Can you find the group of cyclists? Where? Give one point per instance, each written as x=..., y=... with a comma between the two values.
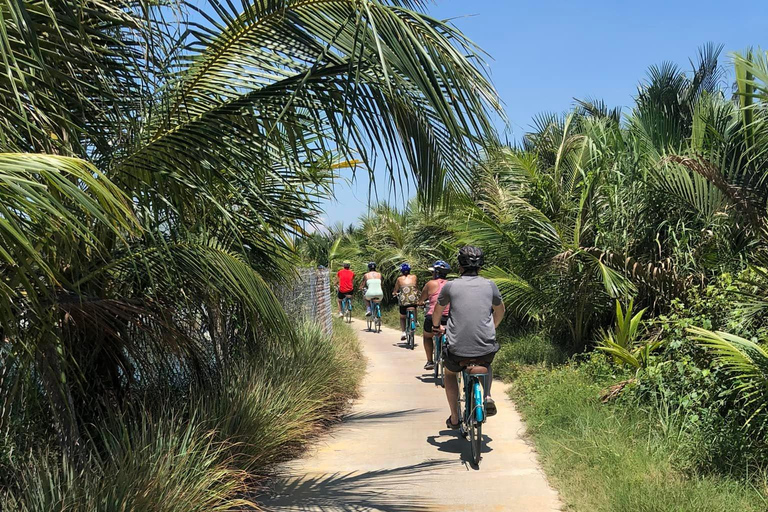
x=467, y=309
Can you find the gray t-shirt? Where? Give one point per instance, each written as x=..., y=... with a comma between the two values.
x=470, y=330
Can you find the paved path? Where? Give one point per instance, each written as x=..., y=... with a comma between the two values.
x=394, y=453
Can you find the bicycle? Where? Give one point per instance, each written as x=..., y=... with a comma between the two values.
x=410, y=328
x=346, y=308
x=374, y=319
x=474, y=406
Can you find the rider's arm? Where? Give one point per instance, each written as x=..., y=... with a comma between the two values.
x=364, y=283
x=498, y=305
x=424, y=294
x=498, y=314
x=442, y=300
x=437, y=314
x=397, y=287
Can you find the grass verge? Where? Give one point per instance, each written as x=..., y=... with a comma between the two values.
x=203, y=451
x=615, y=457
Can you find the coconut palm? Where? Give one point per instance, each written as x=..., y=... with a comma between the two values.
x=158, y=159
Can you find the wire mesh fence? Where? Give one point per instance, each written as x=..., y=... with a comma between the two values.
x=308, y=298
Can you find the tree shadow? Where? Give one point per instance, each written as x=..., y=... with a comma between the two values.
x=383, y=416
x=457, y=444
x=349, y=492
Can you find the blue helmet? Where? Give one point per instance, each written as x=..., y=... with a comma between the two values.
x=405, y=268
x=440, y=267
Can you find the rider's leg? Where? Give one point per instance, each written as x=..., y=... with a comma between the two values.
x=452, y=393
x=367, y=307
x=402, y=322
x=429, y=345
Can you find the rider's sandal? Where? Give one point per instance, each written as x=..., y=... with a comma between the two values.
x=490, y=407
x=429, y=366
x=452, y=426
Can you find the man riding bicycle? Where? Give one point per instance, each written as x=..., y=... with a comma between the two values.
x=371, y=287
x=407, y=296
x=345, y=282
x=476, y=310
x=429, y=296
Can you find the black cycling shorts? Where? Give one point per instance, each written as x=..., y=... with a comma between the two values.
x=452, y=362
x=404, y=309
x=343, y=295
x=428, y=322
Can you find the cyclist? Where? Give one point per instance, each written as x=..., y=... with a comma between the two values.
x=371, y=287
x=428, y=297
x=476, y=310
x=405, y=291
x=345, y=284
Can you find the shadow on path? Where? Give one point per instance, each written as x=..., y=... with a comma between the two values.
x=405, y=345
x=455, y=443
x=429, y=379
x=331, y=492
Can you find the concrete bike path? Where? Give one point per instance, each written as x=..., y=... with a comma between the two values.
x=393, y=452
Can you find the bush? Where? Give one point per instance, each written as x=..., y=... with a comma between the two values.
x=685, y=384
x=528, y=348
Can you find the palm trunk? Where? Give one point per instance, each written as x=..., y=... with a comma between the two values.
x=59, y=394
x=218, y=331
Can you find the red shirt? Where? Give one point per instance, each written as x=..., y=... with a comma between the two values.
x=346, y=278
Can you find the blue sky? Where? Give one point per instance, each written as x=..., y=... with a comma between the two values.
x=544, y=53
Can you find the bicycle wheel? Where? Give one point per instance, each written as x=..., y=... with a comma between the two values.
x=436, y=355
x=476, y=440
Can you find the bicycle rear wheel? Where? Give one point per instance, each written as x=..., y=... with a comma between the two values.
x=476, y=440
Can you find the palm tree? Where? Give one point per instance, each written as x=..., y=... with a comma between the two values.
x=158, y=159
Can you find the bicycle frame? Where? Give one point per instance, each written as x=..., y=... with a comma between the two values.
x=437, y=356
x=474, y=407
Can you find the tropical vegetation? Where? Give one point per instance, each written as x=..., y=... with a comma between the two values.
x=640, y=233
x=158, y=161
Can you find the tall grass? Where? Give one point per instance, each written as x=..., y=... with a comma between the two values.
x=617, y=457
x=267, y=406
x=200, y=452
